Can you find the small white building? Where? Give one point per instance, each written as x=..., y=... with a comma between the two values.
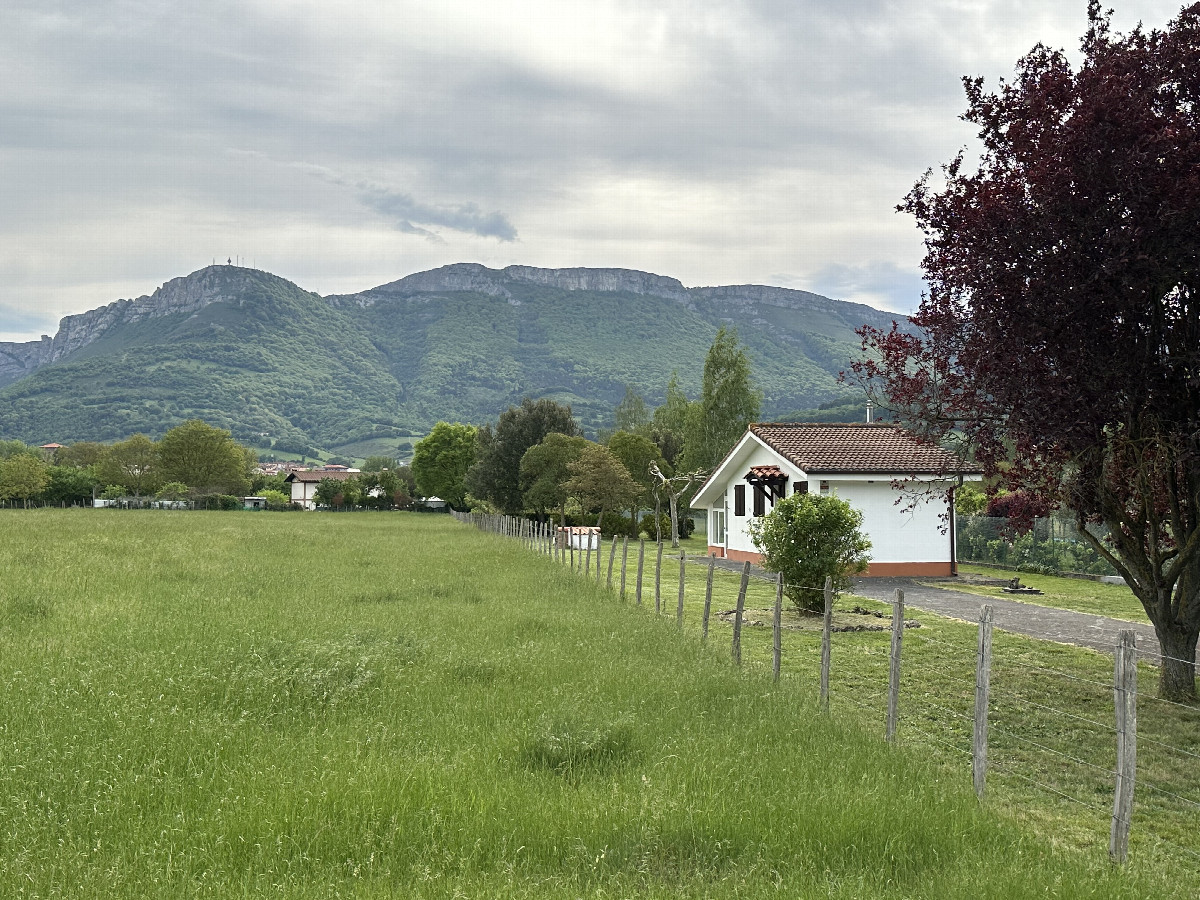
x=869, y=465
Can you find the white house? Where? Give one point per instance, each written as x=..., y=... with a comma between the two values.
x=862, y=463
x=304, y=484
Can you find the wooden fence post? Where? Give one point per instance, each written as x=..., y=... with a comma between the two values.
x=1125, y=706
x=679, y=607
x=571, y=545
x=983, y=681
x=737, y=616
x=624, y=560
x=658, y=580
x=612, y=552
x=893, y=707
x=777, y=645
x=641, y=563
x=712, y=564
x=826, y=642
x=588, y=567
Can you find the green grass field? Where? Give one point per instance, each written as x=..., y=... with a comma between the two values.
x=231, y=704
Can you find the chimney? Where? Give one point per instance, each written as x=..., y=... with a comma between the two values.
x=870, y=406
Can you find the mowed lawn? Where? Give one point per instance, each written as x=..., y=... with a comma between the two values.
x=393, y=705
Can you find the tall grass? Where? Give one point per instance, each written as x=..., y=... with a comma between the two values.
x=226, y=704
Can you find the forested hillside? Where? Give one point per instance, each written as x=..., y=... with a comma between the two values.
x=256, y=354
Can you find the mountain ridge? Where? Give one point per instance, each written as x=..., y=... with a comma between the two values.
x=260, y=355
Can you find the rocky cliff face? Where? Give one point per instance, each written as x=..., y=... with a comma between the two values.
x=179, y=295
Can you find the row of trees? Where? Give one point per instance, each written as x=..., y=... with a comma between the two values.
x=192, y=460
x=535, y=459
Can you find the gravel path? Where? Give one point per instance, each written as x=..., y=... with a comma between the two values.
x=1029, y=619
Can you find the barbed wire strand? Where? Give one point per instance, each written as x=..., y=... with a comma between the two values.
x=1063, y=712
x=1147, y=784
x=937, y=740
x=1040, y=746
x=1104, y=684
x=1188, y=706
x=944, y=709
x=1006, y=771
x=1149, y=740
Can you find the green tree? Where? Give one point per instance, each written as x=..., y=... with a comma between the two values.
x=728, y=403
x=173, y=490
x=441, y=460
x=808, y=537
x=205, y=458
x=23, y=477
x=16, y=448
x=631, y=413
x=132, y=464
x=276, y=499
x=496, y=473
x=637, y=454
x=329, y=492
x=600, y=480
x=378, y=463
x=669, y=425
x=545, y=468
x=81, y=454
x=69, y=485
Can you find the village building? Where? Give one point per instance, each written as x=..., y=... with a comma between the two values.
x=304, y=484
x=903, y=487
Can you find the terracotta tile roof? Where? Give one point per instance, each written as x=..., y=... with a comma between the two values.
x=857, y=448
x=766, y=472
x=318, y=476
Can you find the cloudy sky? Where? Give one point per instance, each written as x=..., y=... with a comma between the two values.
x=344, y=145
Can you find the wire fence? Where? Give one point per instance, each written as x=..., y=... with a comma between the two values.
x=1033, y=731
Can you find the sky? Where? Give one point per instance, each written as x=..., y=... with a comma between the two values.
x=345, y=145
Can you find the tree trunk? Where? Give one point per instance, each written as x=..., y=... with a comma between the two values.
x=1177, y=677
x=674, y=521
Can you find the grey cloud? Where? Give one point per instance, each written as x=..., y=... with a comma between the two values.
x=410, y=215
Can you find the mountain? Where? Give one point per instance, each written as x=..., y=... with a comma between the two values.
x=259, y=355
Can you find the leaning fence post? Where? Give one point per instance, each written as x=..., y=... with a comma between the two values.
x=641, y=563
x=1125, y=706
x=983, y=680
x=737, y=616
x=826, y=642
x=893, y=707
x=679, y=607
x=612, y=552
x=712, y=564
x=587, y=570
x=658, y=580
x=777, y=645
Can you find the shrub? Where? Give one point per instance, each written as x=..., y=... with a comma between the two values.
x=615, y=523
x=807, y=538
x=647, y=526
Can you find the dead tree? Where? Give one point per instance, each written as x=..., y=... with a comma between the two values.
x=674, y=488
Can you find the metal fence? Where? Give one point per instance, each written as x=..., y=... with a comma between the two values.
x=1052, y=547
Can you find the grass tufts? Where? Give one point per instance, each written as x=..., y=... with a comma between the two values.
x=574, y=749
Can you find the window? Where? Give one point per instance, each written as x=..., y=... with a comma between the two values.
x=800, y=487
x=760, y=501
x=716, y=532
x=739, y=499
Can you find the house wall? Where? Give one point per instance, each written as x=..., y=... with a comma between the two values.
x=737, y=543
x=904, y=541
x=303, y=492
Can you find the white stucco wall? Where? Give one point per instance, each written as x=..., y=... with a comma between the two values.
x=900, y=533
